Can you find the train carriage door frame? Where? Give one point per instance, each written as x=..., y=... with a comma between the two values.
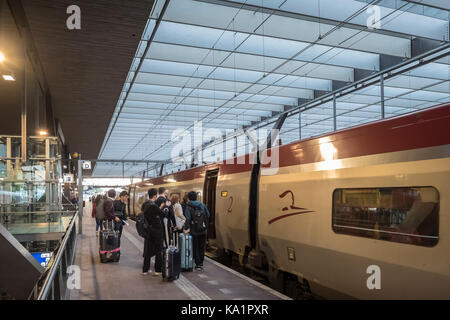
x=209, y=198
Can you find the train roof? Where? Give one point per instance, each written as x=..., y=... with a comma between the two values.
x=425, y=128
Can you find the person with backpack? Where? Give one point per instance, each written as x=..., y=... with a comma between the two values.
x=153, y=245
x=119, y=212
x=197, y=217
x=108, y=205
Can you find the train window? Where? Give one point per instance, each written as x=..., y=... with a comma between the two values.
x=406, y=214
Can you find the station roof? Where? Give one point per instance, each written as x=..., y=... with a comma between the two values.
x=85, y=68
x=235, y=64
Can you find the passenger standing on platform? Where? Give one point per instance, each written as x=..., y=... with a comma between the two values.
x=153, y=245
x=98, y=213
x=184, y=202
x=179, y=216
x=169, y=213
x=120, y=212
x=197, y=217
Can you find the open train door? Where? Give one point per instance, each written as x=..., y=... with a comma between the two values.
x=209, y=192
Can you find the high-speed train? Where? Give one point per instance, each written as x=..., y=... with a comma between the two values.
x=359, y=213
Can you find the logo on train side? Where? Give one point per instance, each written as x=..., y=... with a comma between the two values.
x=297, y=210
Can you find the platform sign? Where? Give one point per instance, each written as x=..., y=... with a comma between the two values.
x=42, y=257
x=86, y=165
x=68, y=178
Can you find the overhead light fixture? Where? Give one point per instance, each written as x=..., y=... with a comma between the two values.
x=9, y=77
x=2, y=57
x=43, y=132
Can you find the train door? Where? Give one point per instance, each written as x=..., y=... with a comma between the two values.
x=209, y=192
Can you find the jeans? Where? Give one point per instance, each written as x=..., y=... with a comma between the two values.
x=153, y=247
x=99, y=224
x=199, y=244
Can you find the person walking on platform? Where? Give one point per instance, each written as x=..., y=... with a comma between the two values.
x=153, y=244
x=108, y=206
x=197, y=217
x=119, y=212
x=98, y=213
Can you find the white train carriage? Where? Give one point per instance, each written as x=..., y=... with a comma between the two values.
x=360, y=213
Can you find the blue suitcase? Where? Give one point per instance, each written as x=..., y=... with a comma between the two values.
x=187, y=255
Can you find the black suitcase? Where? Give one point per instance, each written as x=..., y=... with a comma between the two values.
x=109, y=248
x=171, y=261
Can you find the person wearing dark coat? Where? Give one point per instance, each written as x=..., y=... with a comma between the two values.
x=120, y=212
x=108, y=206
x=197, y=231
x=170, y=214
x=153, y=244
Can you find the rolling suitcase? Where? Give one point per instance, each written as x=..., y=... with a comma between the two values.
x=109, y=248
x=187, y=255
x=171, y=267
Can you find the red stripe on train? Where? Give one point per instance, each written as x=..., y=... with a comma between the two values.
x=427, y=128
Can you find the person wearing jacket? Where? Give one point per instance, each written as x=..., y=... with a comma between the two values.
x=153, y=244
x=119, y=212
x=178, y=209
x=108, y=206
x=98, y=213
x=170, y=215
x=197, y=230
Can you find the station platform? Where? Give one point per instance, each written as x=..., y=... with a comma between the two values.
x=123, y=280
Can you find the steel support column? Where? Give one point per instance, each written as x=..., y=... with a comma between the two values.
x=334, y=113
x=299, y=125
x=382, y=95
x=80, y=195
x=23, y=116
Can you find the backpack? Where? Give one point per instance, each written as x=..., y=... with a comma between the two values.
x=142, y=226
x=198, y=220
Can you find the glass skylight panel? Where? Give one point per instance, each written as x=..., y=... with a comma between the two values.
x=271, y=46
x=175, y=68
x=236, y=74
x=432, y=70
x=441, y=87
x=427, y=95
x=251, y=62
x=170, y=80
